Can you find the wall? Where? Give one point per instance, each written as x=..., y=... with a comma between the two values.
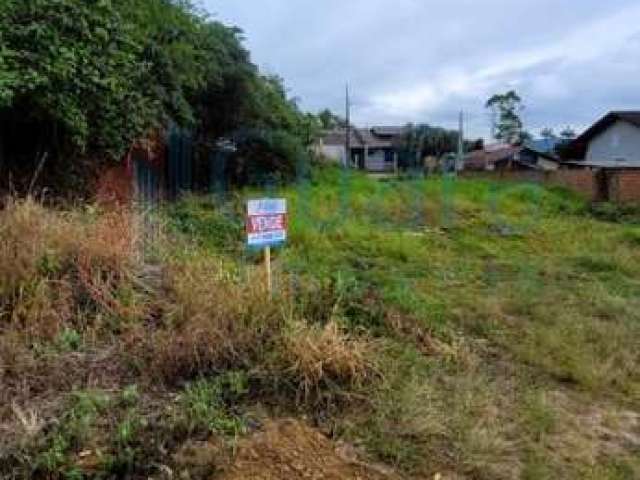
x=617, y=186
x=334, y=152
x=140, y=175
x=115, y=185
x=376, y=162
x=624, y=186
x=583, y=182
x=621, y=141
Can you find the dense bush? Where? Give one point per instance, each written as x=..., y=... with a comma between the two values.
x=84, y=79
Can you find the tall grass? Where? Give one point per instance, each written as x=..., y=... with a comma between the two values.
x=57, y=270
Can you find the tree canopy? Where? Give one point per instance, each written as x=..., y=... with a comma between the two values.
x=507, y=124
x=428, y=140
x=92, y=76
x=330, y=120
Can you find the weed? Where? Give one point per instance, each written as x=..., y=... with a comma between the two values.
x=68, y=340
x=539, y=416
x=73, y=430
x=206, y=404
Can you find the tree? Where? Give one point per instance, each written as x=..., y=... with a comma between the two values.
x=568, y=134
x=505, y=109
x=90, y=77
x=547, y=133
x=525, y=137
x=423, y=140
x=330, y=120
x=563, y=149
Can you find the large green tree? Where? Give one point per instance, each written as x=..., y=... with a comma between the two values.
x=89, y=77
x=426, y=140
x=506, y=122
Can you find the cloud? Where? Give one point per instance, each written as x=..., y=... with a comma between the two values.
x=411, y=60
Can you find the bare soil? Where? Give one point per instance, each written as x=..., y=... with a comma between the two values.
x=290, y=450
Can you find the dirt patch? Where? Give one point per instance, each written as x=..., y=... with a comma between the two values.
x=290, y=450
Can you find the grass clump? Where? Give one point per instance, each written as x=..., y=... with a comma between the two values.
x=72, y=433
x=208, y=404
x=320, y=359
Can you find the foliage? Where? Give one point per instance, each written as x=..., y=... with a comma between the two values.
x=206, y=404
x=563, y=148
x=568, y=134
x=507, y=125
x=92, y=77
x=425, y=140
x=79, y=72
x=548, y=133
x=330, y=120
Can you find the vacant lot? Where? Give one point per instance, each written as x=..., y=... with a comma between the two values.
x=453, y=327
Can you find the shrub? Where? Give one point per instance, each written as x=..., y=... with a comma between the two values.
x=611, y=212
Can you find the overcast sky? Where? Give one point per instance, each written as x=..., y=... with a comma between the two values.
x=424, y=60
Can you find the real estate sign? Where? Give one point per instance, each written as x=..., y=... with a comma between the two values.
x=266, y=222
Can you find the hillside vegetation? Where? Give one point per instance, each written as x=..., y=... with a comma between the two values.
x=454, y=327
x=83, y=81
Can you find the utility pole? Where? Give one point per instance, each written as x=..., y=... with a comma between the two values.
x=460, y=157
x=347, y=140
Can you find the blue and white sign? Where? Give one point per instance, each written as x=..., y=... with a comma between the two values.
x=266, y=222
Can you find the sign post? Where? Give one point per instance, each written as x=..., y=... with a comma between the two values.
x=266, y=228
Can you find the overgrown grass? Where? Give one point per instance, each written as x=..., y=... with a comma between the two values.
x=459, y=327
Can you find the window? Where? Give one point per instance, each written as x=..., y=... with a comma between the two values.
x=389, y=156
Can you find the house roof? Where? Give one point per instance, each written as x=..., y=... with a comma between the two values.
x=387, y=131
x=603, y=164
x=578, y=148
x=372, y=139
x=338, y=137
x=491, y=154
x=359, y=137
x=499, y=152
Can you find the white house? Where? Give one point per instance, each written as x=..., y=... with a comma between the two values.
x=371, y=149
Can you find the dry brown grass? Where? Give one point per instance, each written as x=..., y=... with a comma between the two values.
x=212, y=320
x=62, y=273
x=216, y=320
x=55, y=264
x=326, y=357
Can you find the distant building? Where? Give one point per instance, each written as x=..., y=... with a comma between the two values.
x=500, y=157
x=372, y=149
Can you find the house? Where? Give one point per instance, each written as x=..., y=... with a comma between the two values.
x=372, y=149
x=610, y=151
x=613, y=142
x=506, y=157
